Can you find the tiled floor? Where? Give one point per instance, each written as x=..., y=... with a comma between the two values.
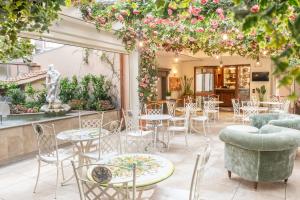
x=17, y=180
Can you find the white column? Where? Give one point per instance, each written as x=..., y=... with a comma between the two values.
x=133, y=82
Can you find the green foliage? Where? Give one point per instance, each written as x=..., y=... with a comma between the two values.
x=261, y=92
x=85, y=94
x=17, y=96
x=22, y=15
x=186, y=85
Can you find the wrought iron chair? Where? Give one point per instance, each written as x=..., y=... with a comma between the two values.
x=192, y=107
x=210, y=109
x=188, y=99
x=184, y=128
x=48, y=151
x=248, y=110
x=109, y=142
x=96, y=182
x=92, y=123
x=236, y=109
x=135, y=136
x=198, y=173
x=199, y=101
x=153, y=109
x=171, y=105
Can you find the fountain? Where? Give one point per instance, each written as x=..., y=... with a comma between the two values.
x=54, y=106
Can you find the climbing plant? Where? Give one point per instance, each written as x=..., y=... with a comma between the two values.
x=252, y=28
x=20, y=15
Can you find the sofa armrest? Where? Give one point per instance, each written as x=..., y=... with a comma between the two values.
x=288, y=123
x=283, y=140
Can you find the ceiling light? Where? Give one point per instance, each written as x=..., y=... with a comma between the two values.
x=225, y=36
x=141, y=43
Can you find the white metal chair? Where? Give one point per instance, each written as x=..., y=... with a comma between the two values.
x=249, y=111
x=109, y=142
x=105, y=187
x=171, y=105
x=192, y=107
x=236, y=109
x=48, y=151
x=189, y=99
x=198, y=173
x=284, y=107
x=184, y=128
x=199, y=101
x=92, y=123
x=210, y=109
x=153, y=109
x=135, y=135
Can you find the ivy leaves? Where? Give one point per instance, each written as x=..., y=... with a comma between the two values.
x=22, y=15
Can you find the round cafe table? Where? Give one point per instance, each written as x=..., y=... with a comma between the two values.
x=156, y=120
x=271, y=102
x=259, y=109
x=81, y=138
x=150, y=169
x=182, y=109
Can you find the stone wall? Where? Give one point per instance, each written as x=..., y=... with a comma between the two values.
x=19, y=142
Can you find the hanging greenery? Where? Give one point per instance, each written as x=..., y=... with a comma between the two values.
x=22, y=15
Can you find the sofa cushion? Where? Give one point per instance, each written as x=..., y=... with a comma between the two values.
x=293, y=123
x=269, y=129
x=259, y=120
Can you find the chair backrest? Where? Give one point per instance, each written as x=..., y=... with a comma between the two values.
x=192, y=107
x=249, y=111
x=46, y=140
x=236, y=106
x=131, y=122
x=153, y=109
x=198, y=173
x=209, y=106
x=171, y=105
x=108, y=188
x=93, y=123
x=199, y=101
x=110, y=138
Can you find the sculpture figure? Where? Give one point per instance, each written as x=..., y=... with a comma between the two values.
x=52, y=82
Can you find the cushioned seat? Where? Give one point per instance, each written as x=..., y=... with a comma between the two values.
x=265, y=156
x=276, y=119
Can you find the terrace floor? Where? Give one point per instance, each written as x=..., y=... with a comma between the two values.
x=17, y=180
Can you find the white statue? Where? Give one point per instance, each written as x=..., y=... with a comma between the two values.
x=52, y=83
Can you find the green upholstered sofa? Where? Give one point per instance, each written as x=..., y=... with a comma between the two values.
x=265, y=156
x=283, y=120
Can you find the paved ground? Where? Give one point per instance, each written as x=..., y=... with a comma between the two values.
x=17, y=180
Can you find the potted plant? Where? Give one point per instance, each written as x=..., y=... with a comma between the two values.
x=186, y=86
x=168, y=95
x=261, y=92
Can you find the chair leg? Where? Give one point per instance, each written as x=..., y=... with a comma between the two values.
x=255, y=185
x=62, y=170
x=57, y=177
x=229, y=174
x=186, y=140
x=38, y=176
x=203, y=124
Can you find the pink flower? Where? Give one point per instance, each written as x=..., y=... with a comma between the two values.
x=219, y=11
x=194, y=10
x=255, y=9
x=204, y=1
x=240, y=36
x=292, y=17
x=136, y=12
x=124, y=12
x=216, y=1
x=194, y=21
x=141, y=94
x=120, y=18
x=201, y=18
x=222, y=16
x=214, y=24
x=170, y=11
x=200, y=30
x=152, y=25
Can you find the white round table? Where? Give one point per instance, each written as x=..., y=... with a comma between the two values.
x=156, y=119
x=243, y=128
x=260, y=109
x=151, y=169
x=271, y=102
x=182, y=109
